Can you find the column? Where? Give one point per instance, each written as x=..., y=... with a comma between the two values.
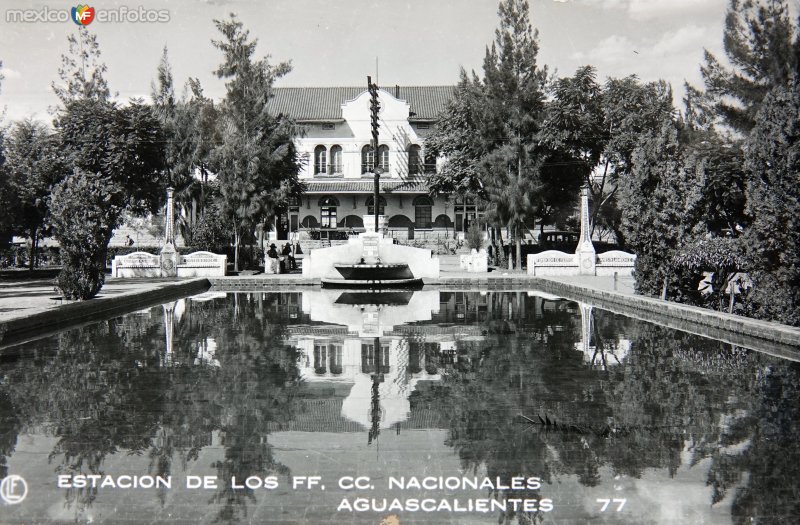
x=585, y=254
x=169, y=256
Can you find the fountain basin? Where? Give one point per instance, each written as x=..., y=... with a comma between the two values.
x=377, y=275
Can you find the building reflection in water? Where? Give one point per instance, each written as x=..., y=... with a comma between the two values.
x=358, y=350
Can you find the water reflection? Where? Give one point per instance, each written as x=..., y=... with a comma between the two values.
x=514, y=384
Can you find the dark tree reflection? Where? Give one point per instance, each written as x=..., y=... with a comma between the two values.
x=125, y=386
x=527, y=401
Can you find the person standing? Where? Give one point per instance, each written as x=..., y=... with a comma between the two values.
x=272, y=257
x=287, y=253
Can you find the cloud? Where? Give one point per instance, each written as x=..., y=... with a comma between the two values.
x=620, y=49
x=9, y=73
x=686, y=39
x=650, y=9
x=654, y=9
x=611, y=50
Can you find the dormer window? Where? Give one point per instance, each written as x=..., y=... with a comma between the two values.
x=320, y=160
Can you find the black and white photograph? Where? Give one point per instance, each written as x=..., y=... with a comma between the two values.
x=451, y=262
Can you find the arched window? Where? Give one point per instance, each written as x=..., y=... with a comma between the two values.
x=327, y=212
x=383, y=158
x=309, y=221
x=430, y=163
x=443, y=221
x=367, y=159
x=422, y=212
x=414, y=160
x=371, y=205
x=320, y=160
x=336, y=160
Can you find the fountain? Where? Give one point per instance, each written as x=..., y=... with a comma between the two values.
x=371, y=271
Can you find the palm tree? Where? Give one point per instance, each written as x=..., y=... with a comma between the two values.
x=512, y=198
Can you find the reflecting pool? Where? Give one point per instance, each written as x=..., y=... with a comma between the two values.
x=326, y=406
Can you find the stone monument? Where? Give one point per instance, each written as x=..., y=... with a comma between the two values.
x=584, y=253
x=585, y=260
x=169, y=255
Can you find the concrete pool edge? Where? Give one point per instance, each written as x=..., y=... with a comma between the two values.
x=53, y=320
x=773, y=338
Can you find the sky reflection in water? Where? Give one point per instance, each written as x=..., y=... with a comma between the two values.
x=482, y=386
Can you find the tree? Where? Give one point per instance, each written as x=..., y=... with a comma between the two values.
x=256, y=161
x=575, y=125
x=682, y=197
x=162, y=94
x=594, y=130
x=82, y=72
x=197, y=118
x=772, y=156
x=456, y=137
x=654, y=218
x=489, y=129
x=763, y=47
x=33, y=167
x=178, y=122
x=514, y=107
x=6, y=200
x=84, y=220
x=115, y=152
x=116, y=157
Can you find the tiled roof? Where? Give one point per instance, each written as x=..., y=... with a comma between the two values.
x=325, y=103
x=415, y=185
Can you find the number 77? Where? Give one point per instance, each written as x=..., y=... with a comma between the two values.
x=607, y=502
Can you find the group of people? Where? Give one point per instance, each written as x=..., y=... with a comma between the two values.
x=283, y=261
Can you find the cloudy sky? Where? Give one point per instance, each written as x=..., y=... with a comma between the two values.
x=417, y=42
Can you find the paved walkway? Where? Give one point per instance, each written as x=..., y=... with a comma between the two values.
x=20, y=297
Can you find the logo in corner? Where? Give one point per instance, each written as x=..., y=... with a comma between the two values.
x=83, y=15
x=13, y=489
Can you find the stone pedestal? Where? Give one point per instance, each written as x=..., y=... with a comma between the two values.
x=169, y=261
x=369, y=247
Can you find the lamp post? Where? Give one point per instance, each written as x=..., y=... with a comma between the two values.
x=374, y=107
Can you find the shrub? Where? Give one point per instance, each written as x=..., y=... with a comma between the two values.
x=474, y=237
x=80, y=278
x=83, y=222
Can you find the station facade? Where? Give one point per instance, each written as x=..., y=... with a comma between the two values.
x=338, y=161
